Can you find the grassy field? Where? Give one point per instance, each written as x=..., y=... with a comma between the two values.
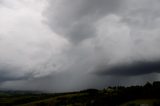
x=56, y=101
x=60, y=99
x=150, y=102
x=69, y=99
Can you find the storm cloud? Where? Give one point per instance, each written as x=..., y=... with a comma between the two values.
x=131, y=69
x=65, y=45
x=75, y=20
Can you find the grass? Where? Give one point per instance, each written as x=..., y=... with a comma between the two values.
x=54, y=100
x=141, y=101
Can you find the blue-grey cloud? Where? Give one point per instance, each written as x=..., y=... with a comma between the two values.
x=131, y=69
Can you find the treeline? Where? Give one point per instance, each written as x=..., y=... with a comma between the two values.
x=122, y=94
x=117, y=95
x=112, y=96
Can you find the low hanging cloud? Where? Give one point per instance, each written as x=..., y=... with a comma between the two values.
x=131, y=69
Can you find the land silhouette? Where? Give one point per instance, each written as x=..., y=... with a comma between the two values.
x=146, y=95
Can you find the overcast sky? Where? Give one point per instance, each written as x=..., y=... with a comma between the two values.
x=67, y=45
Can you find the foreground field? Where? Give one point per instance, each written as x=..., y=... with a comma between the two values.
x=143, y=102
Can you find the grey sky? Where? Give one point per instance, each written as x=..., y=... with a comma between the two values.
x=65, y=45
x=75, y=19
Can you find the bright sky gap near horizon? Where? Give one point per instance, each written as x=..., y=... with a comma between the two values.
x=67, y=45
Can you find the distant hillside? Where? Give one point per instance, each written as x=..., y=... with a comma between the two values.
x=147, y=95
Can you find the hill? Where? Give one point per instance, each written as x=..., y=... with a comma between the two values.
x=147, y=95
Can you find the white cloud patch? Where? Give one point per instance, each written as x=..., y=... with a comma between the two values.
x=25, y=42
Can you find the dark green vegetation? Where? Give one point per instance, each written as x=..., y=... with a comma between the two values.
x=147, y=95
x=143, y=102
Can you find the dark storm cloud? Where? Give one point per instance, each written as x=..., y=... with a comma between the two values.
x=75, y=19
x=79, y=36
x=132, y=69
x=7, y=74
